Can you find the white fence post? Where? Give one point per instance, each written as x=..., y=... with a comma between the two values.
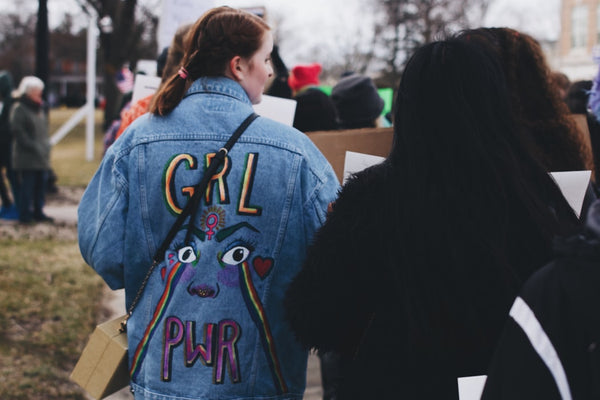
x=91, y=88
x=89, y=108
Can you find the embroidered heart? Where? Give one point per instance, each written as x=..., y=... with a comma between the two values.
x=262, y=266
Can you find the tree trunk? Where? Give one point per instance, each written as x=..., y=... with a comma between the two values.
x=116, y=49
x=42, y=41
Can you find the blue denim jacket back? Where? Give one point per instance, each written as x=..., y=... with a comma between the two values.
x=210, y=323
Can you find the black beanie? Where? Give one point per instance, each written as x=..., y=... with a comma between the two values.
x=357, y=101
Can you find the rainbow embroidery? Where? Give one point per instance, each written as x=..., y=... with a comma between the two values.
x=142, y=347
x=248, y=180
x=169, y=181
x=217, y=179
x=257, y=312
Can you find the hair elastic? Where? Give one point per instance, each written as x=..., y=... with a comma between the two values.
x=182, y=73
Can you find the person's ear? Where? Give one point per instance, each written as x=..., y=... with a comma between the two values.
x=236, y=68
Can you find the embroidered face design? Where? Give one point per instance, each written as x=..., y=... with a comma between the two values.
x=213, y=260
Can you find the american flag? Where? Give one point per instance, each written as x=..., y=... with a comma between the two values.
x=125, y=80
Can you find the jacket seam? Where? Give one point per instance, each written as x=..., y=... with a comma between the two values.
x=107, y=210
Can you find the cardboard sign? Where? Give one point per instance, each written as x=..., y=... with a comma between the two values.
x=335, y=144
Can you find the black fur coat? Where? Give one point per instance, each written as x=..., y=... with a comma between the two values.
x=404, y=331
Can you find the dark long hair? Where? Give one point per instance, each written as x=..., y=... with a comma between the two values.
x=476, y=212
x=535, y=100
x=219, y=35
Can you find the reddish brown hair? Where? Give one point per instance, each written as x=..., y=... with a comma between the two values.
x=219, y=35
x=539, y=111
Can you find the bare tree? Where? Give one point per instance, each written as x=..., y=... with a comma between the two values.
x=42, y=43
x=17, y=44
x=405, y=25
x=120, y=36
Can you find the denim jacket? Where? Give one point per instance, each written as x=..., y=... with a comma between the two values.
x=210, y=323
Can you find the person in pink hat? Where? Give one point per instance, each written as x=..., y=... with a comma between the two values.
x=315, y=110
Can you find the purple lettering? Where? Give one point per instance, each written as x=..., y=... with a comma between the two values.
x=227, y=355
x=193, y=352
x=173, y=336
x=219, y=349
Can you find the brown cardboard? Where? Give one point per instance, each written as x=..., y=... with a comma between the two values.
x=334, y=144
x=95, y=371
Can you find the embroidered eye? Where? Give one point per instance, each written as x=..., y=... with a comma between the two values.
x=236, y=255
x=186, y=254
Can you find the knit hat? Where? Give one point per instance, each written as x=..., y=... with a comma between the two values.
x=303, y=75
x=357, y=101
x=314, y=111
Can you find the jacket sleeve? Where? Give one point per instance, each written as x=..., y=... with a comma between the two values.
x=517, y=372
x=102, y=217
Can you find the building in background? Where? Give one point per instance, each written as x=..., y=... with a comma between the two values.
x=579, y=41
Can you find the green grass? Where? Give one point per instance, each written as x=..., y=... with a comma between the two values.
x=50, y=300
x=68, y=156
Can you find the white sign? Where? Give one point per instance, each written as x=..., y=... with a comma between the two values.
x=277, y=108
x=147, y=67
x=573, y=185
x=355, y=162
x=471, y=387
x=144, y=86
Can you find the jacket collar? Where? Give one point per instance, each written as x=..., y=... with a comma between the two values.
x=219, y=85
x=36, y=107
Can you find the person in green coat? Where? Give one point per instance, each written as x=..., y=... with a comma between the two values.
x=8, y=197
x=31, y=149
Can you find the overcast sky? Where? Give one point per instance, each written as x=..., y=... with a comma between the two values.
x=530, y=15
x=316, y=21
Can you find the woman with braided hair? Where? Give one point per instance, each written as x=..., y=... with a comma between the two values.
x=209, y=322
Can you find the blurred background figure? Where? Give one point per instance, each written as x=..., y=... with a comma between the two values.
x=412, y=275
x=279, y=85
x=562, y=83
x=129, y=112
x=166, y=67
x=577, y=100
x=7, y=175
x=541, y=114
x=549, y=347
x=31, y=157
x=357, y=103
x=314, y=109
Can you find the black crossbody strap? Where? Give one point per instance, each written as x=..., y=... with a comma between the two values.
x=216, y=162
x=199, y=189
x=191, y=208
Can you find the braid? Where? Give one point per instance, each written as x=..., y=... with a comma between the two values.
x=219, y=35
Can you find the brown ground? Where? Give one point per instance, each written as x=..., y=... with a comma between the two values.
x=64, y=202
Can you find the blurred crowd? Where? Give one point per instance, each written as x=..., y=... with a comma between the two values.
x=25, y=172
x=457, y=256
